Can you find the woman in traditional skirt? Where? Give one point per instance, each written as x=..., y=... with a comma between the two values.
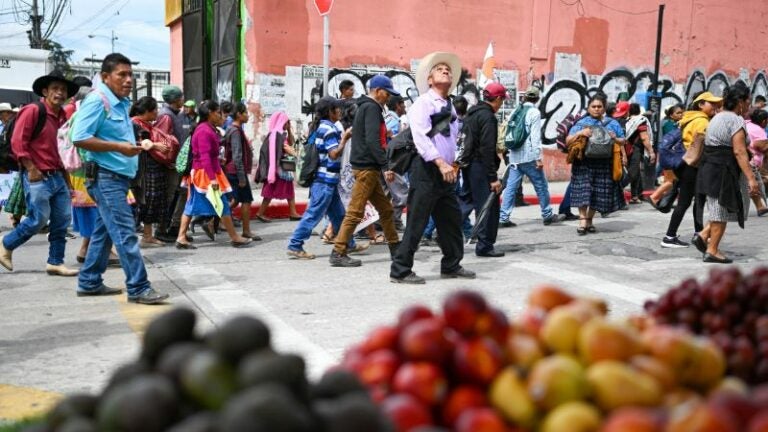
x=152, y=179
x=592, y=185
x=279, y=184
x=207, y=174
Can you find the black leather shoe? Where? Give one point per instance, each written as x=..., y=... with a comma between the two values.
x=461, y=273
x=491, y=254
x=709, y=258
x=700, y=243
x=411, y=279
x=102, y=291
x=507, y=224
x=571, y=217
x=338, y=260
x=149, y=297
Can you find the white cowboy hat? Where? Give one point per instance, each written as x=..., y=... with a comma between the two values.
x=431, y=60
x=5, y=106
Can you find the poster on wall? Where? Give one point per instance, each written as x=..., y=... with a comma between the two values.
x=269, y=91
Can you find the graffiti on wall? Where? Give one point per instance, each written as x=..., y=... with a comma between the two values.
x=566, y=96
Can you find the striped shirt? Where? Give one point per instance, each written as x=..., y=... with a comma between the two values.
x=327, y=138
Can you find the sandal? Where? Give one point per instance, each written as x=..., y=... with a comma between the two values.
x=251, y=236
x=263, y=219
x=582, y=230
x=300, y=254
x=379, y=240
x=180, y=245
x=634, y=200
x=590, y=228
x=326, y=239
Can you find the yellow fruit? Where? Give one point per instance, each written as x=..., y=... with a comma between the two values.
x=555, y=380
x=574, y=416
x=510, y=397
x=600, y=339
x=615, y=384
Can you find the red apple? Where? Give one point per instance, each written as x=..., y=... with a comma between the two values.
x=493, y=323
x=759, y=423
x=406, y=412
x=423, y=380
x=478, y=360
x=462, y=309
x=461, y=399
x=759, y=397
x=412, y=314
x=740, y=407
x=378, y=368
x=353, y=360
x=480, y=420
x=634, y=419
x=384, y=337
x=425, y=340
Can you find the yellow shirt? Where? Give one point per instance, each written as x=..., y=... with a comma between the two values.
x=692, y=124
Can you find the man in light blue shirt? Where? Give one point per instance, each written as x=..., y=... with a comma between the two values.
x=104, y=130
x=527, y=161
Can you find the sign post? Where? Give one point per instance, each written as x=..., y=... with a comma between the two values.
x=324, y=9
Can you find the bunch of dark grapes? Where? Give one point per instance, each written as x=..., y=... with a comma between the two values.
x=729, y=307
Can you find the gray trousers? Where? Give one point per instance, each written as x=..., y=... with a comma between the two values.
x=398, y=192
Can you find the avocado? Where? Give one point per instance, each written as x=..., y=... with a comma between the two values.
x=336, y=383
x=267, y=366
x=353, y=412
x=176, y=325
x=204, y=421
x=173, y=358
x=238, y=337
x=78, y=424
x=76, y=405
x=145, y=404
x=208, y=379
x=127, y=373
x=267, y=407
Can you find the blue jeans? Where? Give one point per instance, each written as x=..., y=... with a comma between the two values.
x=47, y=200
x=114, y=224
x=540, y=185
x=324, y=200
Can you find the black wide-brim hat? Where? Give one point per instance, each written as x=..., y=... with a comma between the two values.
x=45, y=80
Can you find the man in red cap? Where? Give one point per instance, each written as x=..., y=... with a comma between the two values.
x=480, y=174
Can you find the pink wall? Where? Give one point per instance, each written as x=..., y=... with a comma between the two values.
x=707, y=34
x=177, y=60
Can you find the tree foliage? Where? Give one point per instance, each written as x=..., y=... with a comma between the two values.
x=59, y=57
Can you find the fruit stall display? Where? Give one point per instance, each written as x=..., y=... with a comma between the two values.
x=562, y=365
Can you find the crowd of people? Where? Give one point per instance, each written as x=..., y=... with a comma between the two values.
x=162, y=169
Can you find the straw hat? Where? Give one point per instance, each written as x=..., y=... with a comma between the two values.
x=431, y=60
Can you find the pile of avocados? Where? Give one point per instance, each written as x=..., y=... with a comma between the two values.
x=229, y=380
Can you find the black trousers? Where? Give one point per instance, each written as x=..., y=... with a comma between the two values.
x=429, y=195
x=635, y=171
x=474, y=193
x=686, y=182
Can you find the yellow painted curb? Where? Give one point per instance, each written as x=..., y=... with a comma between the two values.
x=18, y=403
x=138, y=316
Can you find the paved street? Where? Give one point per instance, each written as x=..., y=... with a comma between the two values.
x=52, y=342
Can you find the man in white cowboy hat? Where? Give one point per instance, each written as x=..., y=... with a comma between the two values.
x=6, y=113
x=434, y=125
x=46, y=184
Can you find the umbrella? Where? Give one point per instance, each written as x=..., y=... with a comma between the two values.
x=484, y=210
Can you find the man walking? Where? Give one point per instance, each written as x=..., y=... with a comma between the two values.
x=171, y=122
x=480, y=176
x=527, y=161
x=434, y=124
x=45, y=183
x=368, y=158
x=103, y=128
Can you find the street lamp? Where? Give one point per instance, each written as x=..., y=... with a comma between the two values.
x=113, y=38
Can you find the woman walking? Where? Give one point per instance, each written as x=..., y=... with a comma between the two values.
x=207, y=174
x=238, y=161
x=592, y=186
x=670, y=123
x=725, y=176
x=152, y=178
x=278, y=184
x=758, y=145
x=693, y=127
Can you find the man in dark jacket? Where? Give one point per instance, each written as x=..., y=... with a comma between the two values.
x=368, y=157
x=480, y=175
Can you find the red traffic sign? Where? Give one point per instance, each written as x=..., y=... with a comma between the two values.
x=323, y=6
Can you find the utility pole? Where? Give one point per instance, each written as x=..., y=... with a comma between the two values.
x=114, y=38
x=36, y=34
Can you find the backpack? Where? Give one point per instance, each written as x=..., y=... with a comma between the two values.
x=310, y=161
x=465, y=146
x=671, y=149
x=564, y=127
x=7, y=159
x=71, y=156
x=401, y=151
x=517, y=133
x=183, y=160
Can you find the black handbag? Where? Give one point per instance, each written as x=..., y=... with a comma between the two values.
x=288, y=163
x=600, y=144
